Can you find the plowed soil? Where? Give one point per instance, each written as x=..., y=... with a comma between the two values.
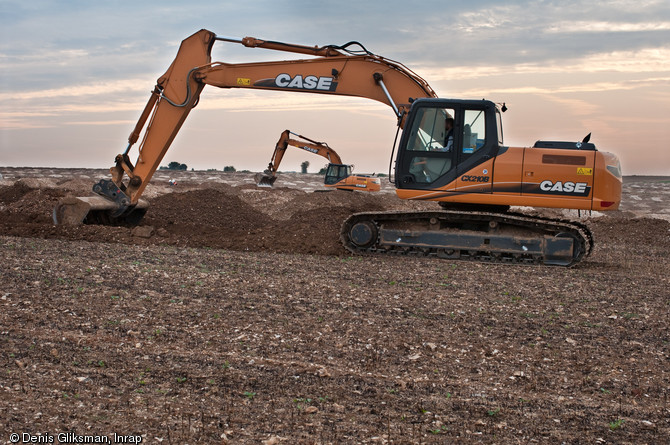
x=235, y=316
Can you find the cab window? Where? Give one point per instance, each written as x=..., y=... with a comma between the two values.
x=430, y=130
x=474, y=131
x=431, y=144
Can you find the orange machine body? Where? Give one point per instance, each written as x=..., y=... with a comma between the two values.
x=533, y=177
x=451, y=151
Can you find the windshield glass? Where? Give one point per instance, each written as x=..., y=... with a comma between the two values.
x=431, y=130
x=430, y=145
x=474, y=131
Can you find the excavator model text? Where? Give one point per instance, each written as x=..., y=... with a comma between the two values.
x=451, y=151
x=338, y=175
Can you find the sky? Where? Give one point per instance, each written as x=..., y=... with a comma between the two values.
x=76, y=74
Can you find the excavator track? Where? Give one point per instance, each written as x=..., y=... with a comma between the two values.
x=479, y=236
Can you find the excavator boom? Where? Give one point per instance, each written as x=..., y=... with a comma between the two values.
x=334, y=70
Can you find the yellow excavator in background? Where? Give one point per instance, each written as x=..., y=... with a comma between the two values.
x=451, y=151
x=338, y=175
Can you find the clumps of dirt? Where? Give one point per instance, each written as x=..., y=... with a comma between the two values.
x=649, y=232
x=12, y=193
x=77, y=186
x=27, y=202
x=244, y=217
x=206, y=207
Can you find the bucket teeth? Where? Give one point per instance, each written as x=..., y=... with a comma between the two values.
x=265, y=180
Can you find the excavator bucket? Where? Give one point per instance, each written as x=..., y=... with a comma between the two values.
x=265, y=179
x=96, y=210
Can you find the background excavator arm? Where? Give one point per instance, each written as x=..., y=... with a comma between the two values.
x=337, y=175
x=268, y=177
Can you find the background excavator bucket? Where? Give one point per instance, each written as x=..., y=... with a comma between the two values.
x=96, y=210
x=265, y=179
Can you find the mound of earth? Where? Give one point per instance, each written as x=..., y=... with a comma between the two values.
x=242, y=218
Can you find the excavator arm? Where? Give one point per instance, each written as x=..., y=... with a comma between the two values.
x=268, y=177
x=334, y=70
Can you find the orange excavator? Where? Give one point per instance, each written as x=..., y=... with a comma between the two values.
x=450, y=151
x=338, y=175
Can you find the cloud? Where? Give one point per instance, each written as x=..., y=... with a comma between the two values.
x=96, y=102
x=104, y=122
x=605, y=27
x=646, y=60
x=77, y=91
x=536, y=32
x=577, y=88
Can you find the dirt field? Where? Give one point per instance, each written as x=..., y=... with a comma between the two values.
x=241, y=319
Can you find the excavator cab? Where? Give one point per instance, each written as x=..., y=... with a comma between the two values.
x=340, y=176
x=442, y=140
x=336, y=172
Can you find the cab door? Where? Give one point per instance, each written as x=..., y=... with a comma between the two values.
x=475, y=167
x=427, y=158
